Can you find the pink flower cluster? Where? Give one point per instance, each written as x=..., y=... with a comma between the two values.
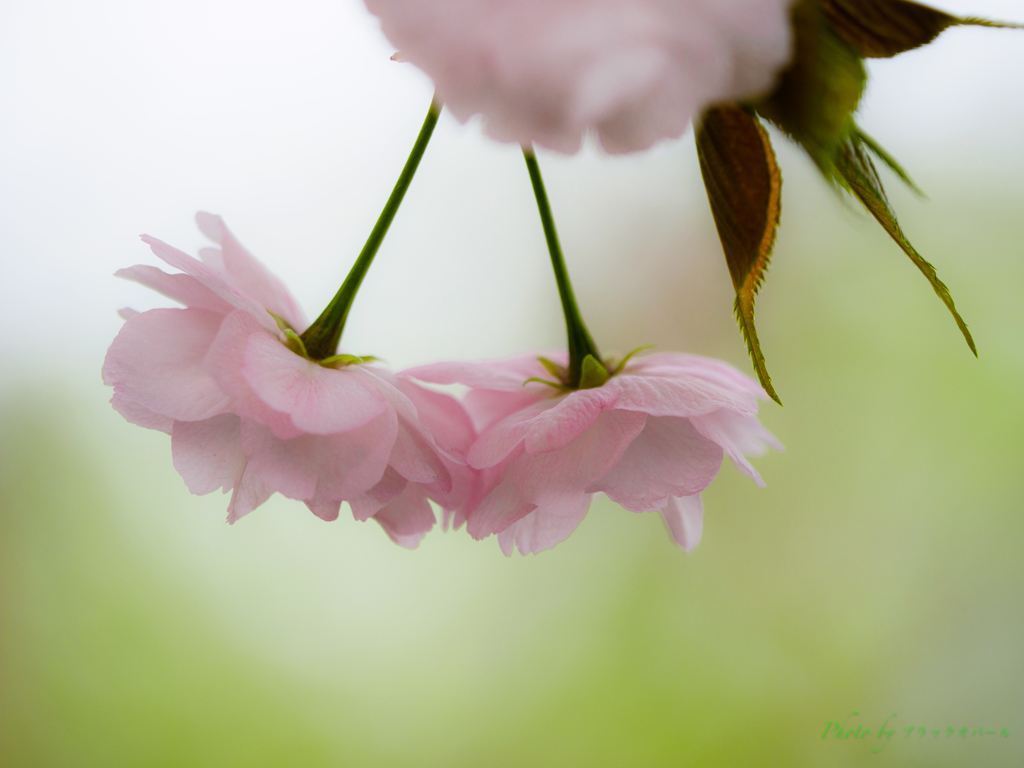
x=225, y=376
x=548, y=71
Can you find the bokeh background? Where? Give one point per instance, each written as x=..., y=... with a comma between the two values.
x=879, y=572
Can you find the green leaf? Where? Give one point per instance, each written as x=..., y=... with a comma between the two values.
x=885, y=28
x=820, y=90
x=558, y=371
x=744, y=188
x=593, y=374
x=888, y=159
x=858, y=174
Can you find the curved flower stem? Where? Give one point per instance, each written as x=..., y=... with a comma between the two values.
x=322, y=337
x=580, y=344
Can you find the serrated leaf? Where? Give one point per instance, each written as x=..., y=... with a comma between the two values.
x=820, y=90
x=593, y=373
x=744, y=188
x=885, y=28
x=858, y=174
x=889, y=160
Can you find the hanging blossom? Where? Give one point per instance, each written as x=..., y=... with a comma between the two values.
x=547, y=71
x=651, y=436
x=228, y=378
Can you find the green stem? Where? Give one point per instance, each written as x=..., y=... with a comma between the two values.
x=580, y=343
x=322, y=337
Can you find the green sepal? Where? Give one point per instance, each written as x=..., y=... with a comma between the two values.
x=593, y=374
x=554, y=385
x=885, y=28
x=857, y=173
x=616, y=369
x=283, y=324
x=820, y=90
x=558, y=371
x=336, y=361
x=294, y=343
x=744, y=187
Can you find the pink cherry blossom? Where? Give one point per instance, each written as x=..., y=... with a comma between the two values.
x=651, y=438
x=547, y=71
x=249, y=415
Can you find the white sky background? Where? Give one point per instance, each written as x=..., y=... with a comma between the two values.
x=121, y=117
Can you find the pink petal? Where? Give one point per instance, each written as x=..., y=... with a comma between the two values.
x=224, y=364
x=557, y=427
x=325, y=509
x=714, y=371
x=249, y=494
x=532, y=481
x=156, y=361
x=684, y=518
x=502, y=438
x=208, y=454
x=486, y=407
x=408, y=518
x=414, y=459
x=184, y=289
x=370, y=503
x=545, y=526
x=127, y=313
x=143, y=417
x=738, y=435
x=212, y=280
x=445, y=418
x=677, y=395
x=669, y=458
x=320, y=401
x=337, y=467
x=507, y=374
x=249, y=276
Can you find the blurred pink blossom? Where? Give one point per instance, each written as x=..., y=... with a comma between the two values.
x=651, y=438
x=248, y=414
x=547, y=71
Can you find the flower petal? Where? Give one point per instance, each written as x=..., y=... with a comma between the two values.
x=738, y=435
x=506, y=374
x=408, y=518
x=143, y=417
x=249, y=276
x=156, y=361
x=545, y=526
x=677, y=395
x=669, y=458
x=557, y=427
x=445, y=418
x=320, y=401
x=249, y=494
x=532, y=481
x=684, y=518
x=212, y=280
x=208, y=454
x=184, y=289
x=337, y=467
x=501, y=438
x=383, y=493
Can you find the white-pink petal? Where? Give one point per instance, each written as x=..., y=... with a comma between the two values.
x=156, y=361
x=684, y=518
x=208, y=454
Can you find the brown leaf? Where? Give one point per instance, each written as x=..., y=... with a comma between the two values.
x=884, y=28
x=744, y=188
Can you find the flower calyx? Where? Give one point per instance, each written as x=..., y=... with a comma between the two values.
x=295, y=343
x=594, y=372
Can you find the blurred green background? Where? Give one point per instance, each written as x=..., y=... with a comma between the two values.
x=879, y=571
